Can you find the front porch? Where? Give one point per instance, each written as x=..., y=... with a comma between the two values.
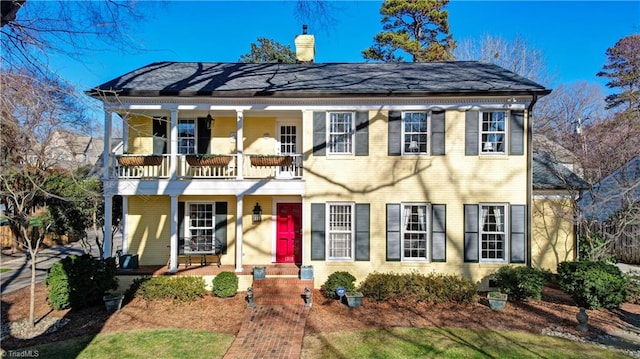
x=211, y=269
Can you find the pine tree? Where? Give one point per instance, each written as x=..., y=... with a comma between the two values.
x=419, y=28
x=269, y=51
x=623, y=71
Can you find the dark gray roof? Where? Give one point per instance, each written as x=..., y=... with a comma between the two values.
x=313, y=80
x=549, y=175
x=608, y=196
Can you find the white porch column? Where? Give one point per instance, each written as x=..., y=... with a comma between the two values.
x=123, y=225
x=125, y=134
x=173, y=247
x=240, y=145
x=106, y=152
x=239, y=230
x=106, y=240
x=173, y=143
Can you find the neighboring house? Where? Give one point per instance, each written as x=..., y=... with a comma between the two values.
x=613, y=193
x=555, y=192
x=387, y=166
x=560, y=154
x=612, y=207
x=98, y=166
x=71, y=151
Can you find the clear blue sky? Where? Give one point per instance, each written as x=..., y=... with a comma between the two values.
x=573, y=35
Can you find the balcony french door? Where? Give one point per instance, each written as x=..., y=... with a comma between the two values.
x=288, y=142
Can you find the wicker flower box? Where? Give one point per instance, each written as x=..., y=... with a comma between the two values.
x=271, y=160
x=209, y=160
x=139, y=160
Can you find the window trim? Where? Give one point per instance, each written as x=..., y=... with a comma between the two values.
x=505, y=240
x=505, y=132
x=328, y=232
x=403, y=134
x=428, y=212
x=352, y=134
x=194, y=121
x=187, y=220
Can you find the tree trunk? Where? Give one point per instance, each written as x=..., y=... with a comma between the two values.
x=32, y=301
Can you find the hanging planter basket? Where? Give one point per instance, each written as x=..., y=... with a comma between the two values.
x=275, y=160
x=209, y=160
x=139, y=160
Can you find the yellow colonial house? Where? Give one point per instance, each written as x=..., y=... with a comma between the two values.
x=358, y=167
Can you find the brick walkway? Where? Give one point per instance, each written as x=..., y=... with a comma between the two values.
x=270, y=331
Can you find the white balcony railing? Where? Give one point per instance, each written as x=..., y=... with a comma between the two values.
x=144, y=171
x=186, y=171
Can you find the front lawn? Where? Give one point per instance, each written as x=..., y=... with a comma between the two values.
x=445, y=343
x=379, y=343
x=160, y=343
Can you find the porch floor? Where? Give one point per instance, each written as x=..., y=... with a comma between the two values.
x=211, y=269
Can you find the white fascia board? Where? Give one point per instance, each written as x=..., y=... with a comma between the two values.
x=204, y=187
x=322, y=104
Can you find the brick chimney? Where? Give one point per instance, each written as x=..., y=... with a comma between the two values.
x=305, y=47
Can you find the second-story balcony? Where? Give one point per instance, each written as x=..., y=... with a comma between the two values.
x=253, y=166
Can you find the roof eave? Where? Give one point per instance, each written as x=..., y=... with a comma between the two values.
x=98, y=93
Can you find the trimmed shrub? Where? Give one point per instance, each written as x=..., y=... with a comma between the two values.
x=135, y=285
x=520, y=283
x=80, y=281
x=181, y=289
x=633, y=290
x=432, y=288
x=593, y=285
x=225, y=285
x=335, y=280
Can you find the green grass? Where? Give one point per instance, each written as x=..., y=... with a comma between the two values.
x=2, y=270
x=446, y=343
x=160, y=343
x=371, y=344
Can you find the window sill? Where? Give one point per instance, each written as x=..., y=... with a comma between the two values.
x=341, y=156
x=415, y=261
x=424, y=158
x=493, y=263
x=339, y=261
x=491, y=156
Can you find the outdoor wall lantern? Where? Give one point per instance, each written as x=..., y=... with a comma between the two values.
x=257, y=213
x=210, y=121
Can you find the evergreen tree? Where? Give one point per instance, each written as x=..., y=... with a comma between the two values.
x=419, y=28
x=269, y=51
x=623, y=71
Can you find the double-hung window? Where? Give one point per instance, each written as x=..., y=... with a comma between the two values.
x=493, y=132
x=340, y=230
x=493, y=233
x=415, y=133
x=415, y=232
x=201, y=226
x=341, y=132
x=186, y=137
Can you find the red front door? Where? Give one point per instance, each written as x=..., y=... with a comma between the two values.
x=288, y=232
